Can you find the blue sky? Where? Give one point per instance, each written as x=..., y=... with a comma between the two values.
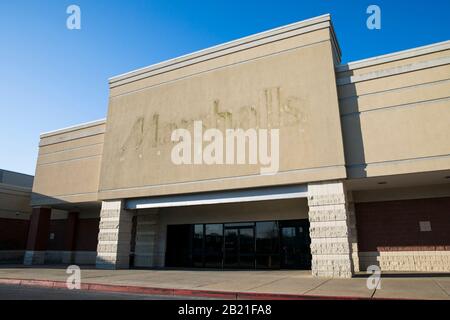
x=52, y=77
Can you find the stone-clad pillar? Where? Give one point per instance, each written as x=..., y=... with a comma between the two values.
x=146, y=251
x=329, y=230
x=37, y=236
x=114, y=237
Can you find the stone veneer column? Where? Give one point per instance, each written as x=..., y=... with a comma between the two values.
x=146, y=251
x=329, y=230
x=37, y=236
x=114, y=237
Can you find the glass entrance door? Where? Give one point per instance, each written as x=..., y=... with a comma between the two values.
x=231, y=248
x=239, y=247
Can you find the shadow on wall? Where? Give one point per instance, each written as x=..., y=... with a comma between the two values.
x=351, y=129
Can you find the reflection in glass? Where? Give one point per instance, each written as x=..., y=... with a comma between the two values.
x=246, y=248
x=213, y=245
x=231, y=248
x=267, y=245
x=239, y=224
x=197, y=246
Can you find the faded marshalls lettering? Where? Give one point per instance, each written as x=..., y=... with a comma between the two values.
x=190, y=150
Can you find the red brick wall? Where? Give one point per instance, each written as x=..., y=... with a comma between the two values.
x=13, y=234
x=58, y=228
x=394, y=225
x=87, y=234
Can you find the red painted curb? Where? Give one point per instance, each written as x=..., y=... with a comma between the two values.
x=130, y=289
x=10, y=281
x=40, y=283
x=205, y=293
x=177, y=292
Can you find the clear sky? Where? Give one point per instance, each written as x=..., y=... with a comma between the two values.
x=52, y=77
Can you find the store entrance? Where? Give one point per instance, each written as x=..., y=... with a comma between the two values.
x=239, y=247
x=242, y=245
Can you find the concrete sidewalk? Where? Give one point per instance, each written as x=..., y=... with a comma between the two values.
x=236, y=284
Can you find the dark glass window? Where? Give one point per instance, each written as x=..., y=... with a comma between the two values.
x=178, y=246
x=239, y=224
x=267, y=237
x=267, y=245
x=231, y=248
x=197, y=245
x=246, y=247
x=213, y=245
x=261, y=245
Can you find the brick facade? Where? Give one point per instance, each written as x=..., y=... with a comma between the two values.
x=86, y=234
x=389, y=235
x=394, y=225
x=13, y=234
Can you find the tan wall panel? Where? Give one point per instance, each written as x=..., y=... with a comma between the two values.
x=72, y=144
x=225, y=60
x=394, y=82
x=72, y=134
x=393, y=64
x=68, y=178
x=398, y=124
x=68, y=165
x=295, y=90
x=82, y=152
x=431, y=91
x=289, y=177
x=417, y=131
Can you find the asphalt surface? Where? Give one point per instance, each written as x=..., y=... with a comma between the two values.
x=11, y=292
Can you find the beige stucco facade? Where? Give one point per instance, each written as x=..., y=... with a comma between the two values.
x=370, y=131
x=395, y=113
x=259, y=83
x=68, y=165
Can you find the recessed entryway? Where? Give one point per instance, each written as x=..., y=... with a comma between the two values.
x=243, y=245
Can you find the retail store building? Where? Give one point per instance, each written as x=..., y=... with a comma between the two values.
x=364, y=163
